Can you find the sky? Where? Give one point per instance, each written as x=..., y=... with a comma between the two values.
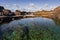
x=30, y=5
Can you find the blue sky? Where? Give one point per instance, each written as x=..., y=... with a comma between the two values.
x=30, y=5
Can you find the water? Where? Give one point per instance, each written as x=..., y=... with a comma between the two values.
x=36, y=28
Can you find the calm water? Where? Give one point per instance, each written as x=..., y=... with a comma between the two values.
x=37, y=26
x=42, y=22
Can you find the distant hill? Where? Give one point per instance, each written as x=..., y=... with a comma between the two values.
x=55, y=13
x=57, y=8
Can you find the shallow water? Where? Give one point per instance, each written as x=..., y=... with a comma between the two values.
x=49, y=29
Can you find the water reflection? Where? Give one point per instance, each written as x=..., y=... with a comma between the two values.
x=30, y=22
x=36, y=24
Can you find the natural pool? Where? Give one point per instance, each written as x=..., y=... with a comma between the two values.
x=30, y=29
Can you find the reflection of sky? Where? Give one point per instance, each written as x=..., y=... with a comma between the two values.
x=32, y=5
x=30, y=21
x=43, y=23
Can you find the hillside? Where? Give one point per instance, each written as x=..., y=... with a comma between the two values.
x=55, y=13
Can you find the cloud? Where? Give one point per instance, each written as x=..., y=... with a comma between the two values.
x=12, y=7
x=8, y=6
x=46, y=5
x=1, y=4
x=53, y=7
x=32, y=5
x=14, y=4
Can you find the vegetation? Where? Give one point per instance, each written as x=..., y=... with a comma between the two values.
x=1, y=8
x=36, y=32
x=40, y=34
x=57, y=22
